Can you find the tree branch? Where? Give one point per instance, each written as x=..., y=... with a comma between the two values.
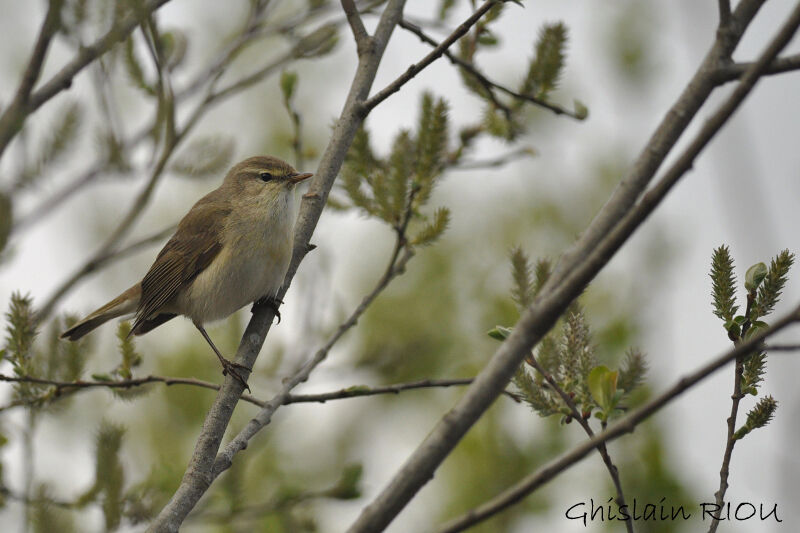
x=435, y=54
x=553, y=299
x=483, y=80
x=356, y=26
x=14, y=116
x=724, y=13
x=660, y=143
x=64, y=388
x=734, y=71
x=624, y=425
x=199, y=474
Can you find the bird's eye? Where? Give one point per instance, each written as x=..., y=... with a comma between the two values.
x=266, y=176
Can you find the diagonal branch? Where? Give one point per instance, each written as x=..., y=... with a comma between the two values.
x=14, y=116
x=356, y=26
x=483, y=80
x=199, y=474
x=624, y=425
x=734, y=71
x=548, y=306
x=435, y=54
x=661, y=142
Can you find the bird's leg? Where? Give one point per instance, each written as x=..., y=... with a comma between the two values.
x=272, y=302
x=227, y=365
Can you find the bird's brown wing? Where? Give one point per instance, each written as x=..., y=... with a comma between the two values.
x=195, y=244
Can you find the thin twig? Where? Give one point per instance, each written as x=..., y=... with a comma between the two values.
x=782, y=347
x=14, y=116
x=61, y=389
x=356, y=26
x=488, y=84
x=730, y=440
x=601, y=448
x=724, y=13
x=435, y=54
x=213, y=73
x=495, y=162
x=734, y=71
x=622, y=426
x=659, y=145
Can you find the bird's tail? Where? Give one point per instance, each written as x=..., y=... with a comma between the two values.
x=125, y=303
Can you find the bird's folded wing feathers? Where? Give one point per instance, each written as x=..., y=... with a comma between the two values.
x=193, y=247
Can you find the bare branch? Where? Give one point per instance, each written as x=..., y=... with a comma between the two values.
x=782, y=347
x=548, y=306
x=734, y=71
x=624, y=425
x=724, y=13
x=435, y=54
x=356, y=26
x=61, y=389
x=483, y=80
x=662, y=140
x=15, y=114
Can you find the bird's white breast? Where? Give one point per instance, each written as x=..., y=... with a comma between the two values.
x=256, y=250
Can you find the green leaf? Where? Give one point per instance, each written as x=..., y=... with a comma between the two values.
x=603, y=387
x=754, y=276
x=499, y=333
x=288, y=83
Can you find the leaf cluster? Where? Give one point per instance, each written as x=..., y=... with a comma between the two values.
x=502, y=118
x=395, y=188
x=763, y=286
x=565, y=359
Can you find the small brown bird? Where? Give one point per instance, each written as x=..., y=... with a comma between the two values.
x=233, y=247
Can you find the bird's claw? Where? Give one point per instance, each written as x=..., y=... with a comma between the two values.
x=229, y=367
x=272, y=303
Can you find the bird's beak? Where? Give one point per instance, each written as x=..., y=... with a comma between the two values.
x=297, y=178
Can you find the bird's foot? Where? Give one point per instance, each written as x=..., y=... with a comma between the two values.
x=271, y=302
x=229, y=367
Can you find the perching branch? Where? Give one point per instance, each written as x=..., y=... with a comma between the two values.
x=585, y=260
x=622, y=426
x=200, y=472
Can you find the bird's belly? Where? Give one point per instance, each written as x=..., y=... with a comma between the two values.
x=233, y=280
